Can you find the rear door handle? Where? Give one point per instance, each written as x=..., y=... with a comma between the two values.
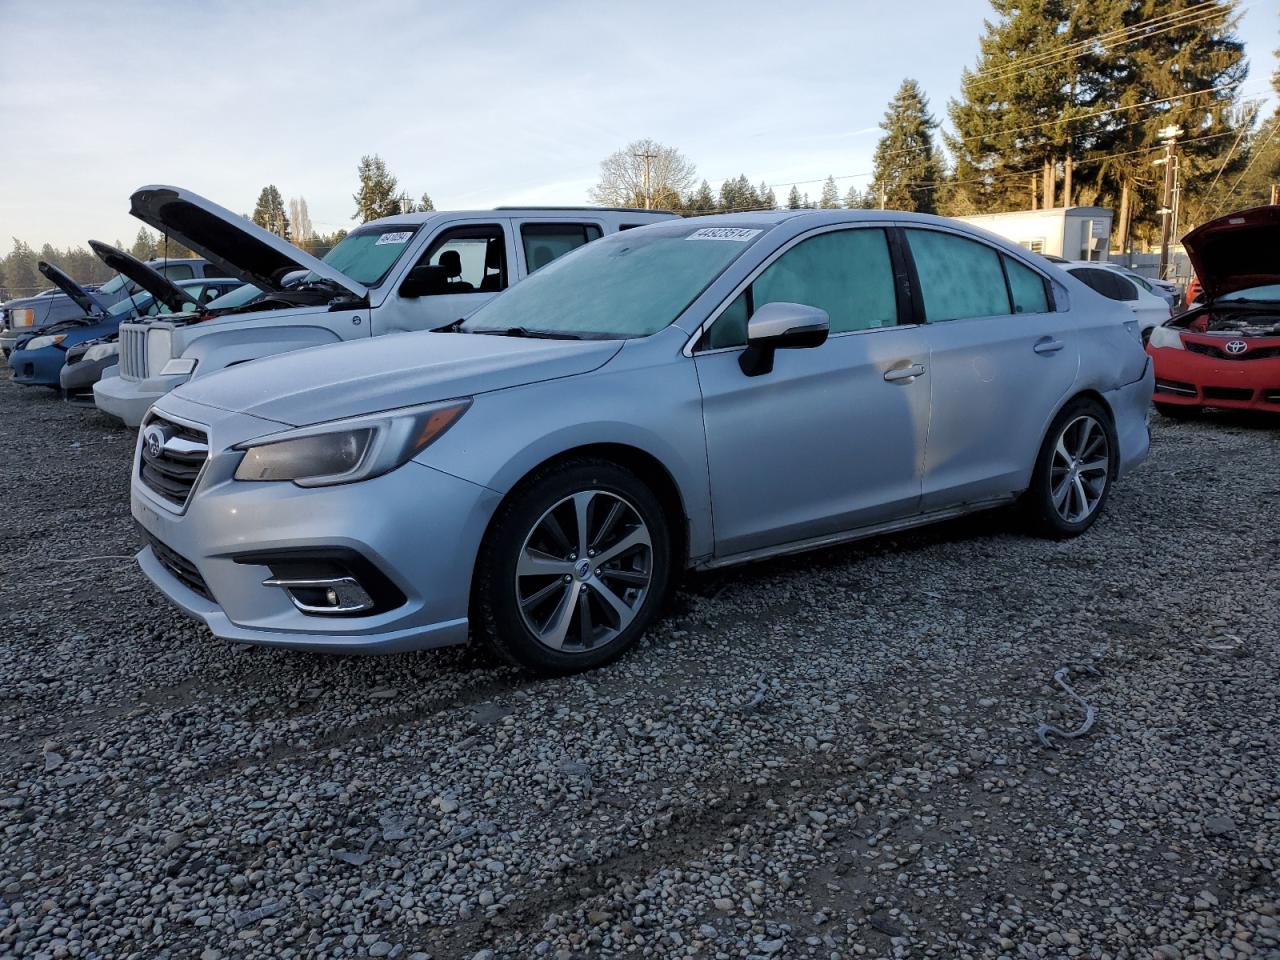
x=904, y=374
x=1048, y=345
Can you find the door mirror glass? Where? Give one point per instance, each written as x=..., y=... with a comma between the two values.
x=781, y=326
x=425, y=280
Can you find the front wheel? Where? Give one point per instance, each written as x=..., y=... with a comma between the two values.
x=575, y=567
x=1074, y=470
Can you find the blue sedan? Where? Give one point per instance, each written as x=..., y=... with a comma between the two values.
x=37, y=360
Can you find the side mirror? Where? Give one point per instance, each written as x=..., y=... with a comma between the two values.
x=781, y=326
x=425, y=280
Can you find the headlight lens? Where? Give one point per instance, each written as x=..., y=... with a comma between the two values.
x=23, y=317
x=100, y=351
x=349, y=450
x=159, y=349
x=39, y=343
x=179, y=366
x=1166, y=337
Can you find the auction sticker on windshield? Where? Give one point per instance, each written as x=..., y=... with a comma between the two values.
x=394, y=238
x=740, y=234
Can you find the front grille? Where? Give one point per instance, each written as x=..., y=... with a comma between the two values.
x=1209, y=350
x=1227, y=393
x=182, y=569
x=171, y=464
x=1271, y=395
x=1175, y=387
x=133, y=351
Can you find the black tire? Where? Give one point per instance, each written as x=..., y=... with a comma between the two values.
x=497, y=614
x=1177, y=411
x=1043, y=512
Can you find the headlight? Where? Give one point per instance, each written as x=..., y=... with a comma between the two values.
x=23, y=317
x=1166, y=337
x=349, y=450
x=178, y=366
x=159, y=349
x=39, y=343
x=100, y=351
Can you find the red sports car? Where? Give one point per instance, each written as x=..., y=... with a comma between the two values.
x=1226, y=352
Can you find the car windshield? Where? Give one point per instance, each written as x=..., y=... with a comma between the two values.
x=138, y=303
x=367, y=254
x=1270, y=291
x=236, y=298
x=631, y=284
x=117, y=283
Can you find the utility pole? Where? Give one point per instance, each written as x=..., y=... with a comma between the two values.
x=1275, y=194
x=648, y=194
x=882, y=196
x=1170, y=137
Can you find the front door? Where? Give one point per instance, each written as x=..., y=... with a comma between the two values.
x=833, y=437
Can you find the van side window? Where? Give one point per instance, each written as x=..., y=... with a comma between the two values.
x=847, y=273
x=475, y=258
x=1027, y=287
x=959, y=278
x=544, y=242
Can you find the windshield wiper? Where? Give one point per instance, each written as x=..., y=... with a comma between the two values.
x=531, y=334
x=453, y=327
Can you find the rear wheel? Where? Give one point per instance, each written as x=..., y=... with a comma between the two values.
x=1177, y=411
x=1074, y=470
x=574, y=569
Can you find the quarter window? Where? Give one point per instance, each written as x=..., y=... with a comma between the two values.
x=544, y=242
x=847, y=273
x=475, y=258
x=959, y=278
x=1107, y=283
x=1027, y=288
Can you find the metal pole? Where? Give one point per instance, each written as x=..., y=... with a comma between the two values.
x=1170, y=136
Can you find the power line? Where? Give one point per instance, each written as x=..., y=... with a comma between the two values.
x=1257, y=152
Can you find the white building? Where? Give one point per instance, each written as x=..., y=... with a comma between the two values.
x=1073, y=233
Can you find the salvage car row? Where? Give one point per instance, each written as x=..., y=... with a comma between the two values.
x=538, y=468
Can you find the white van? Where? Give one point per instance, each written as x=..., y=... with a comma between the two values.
x=418, y=271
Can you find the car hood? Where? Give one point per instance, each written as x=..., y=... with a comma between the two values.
x=236, y=244
x=81, y=297
x=400, y=370
x=156, y=284
x=1235, y=252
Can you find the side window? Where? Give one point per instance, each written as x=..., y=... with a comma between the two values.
x=178, y=271
x=847, y=273
x=211, y=271
x=544, y=242
x=1027, y=287
x=959, y=278
x=475, y=258
x=1108, y=284
x=1126, y=289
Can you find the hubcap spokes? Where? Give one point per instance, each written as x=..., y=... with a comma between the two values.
x=1078, y=474
x=584, y=571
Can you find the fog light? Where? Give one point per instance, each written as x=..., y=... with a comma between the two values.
x=336, y=595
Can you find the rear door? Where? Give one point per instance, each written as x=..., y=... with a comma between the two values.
x=1001, y=361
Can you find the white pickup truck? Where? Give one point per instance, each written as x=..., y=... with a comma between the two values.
x=418, y=271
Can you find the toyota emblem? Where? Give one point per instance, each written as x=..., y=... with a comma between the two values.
x=1237, y=346
x=153, y=439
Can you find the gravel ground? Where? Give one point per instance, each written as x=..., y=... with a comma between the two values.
x=826, y=756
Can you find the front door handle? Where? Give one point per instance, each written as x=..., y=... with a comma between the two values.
x=904, y=374
x=1048, y=345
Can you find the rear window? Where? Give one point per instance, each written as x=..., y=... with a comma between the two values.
x=1107, y=283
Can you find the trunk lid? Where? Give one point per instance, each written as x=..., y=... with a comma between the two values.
x=81, y=297
x=1235, y=252
x=156, y=284
x=237, y=245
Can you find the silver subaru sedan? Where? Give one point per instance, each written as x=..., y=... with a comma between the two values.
x=693, y=394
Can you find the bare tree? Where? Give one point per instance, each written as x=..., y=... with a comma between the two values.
x=300, y=219
x=645, y=173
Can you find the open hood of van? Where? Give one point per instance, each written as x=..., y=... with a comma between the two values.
x=156, y=284
x=1235, y=252
x=236, y=244
x=81, y=297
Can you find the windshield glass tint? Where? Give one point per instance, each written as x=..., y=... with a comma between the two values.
x=1269, y=292
x=366, y=255
x=139, y=302
x=115, y=284
x=236, y=298
x=631, y=284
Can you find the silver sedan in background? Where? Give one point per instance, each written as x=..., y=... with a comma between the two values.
x=692, y=394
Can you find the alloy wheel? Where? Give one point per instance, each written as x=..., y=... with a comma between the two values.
x=1080, y=469
x=584, y=571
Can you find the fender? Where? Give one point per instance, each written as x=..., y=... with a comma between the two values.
x=216, y=350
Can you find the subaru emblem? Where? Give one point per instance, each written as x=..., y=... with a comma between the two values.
x=153, y=439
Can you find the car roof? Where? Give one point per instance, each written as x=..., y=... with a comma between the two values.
x=417, y=219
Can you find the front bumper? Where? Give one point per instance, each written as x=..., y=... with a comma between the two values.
x=419, y=527
x=1131, y=409
x=77, y=379
x=1188, y=379
x=129, y=400
x=37, y=368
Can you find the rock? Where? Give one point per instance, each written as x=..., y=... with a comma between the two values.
x=1219, y=826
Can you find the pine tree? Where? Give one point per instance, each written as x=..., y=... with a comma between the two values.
x=1252, y=186
x=700, y=201
x=768, y=199
x=793, y=200
x=852, y=198
x=906, y=166
x=269, y=212
x=425, y=205
x=738, y=194
x=20, y=276
x=377, y=194
x=830, y=199
x=144, y=245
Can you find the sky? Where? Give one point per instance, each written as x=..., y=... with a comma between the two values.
x=479, y=102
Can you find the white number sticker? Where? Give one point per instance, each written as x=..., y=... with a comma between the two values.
x=393, y=238
x=740, y=234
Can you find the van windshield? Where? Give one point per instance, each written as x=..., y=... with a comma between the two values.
x=368, y=254
x=627, y=285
